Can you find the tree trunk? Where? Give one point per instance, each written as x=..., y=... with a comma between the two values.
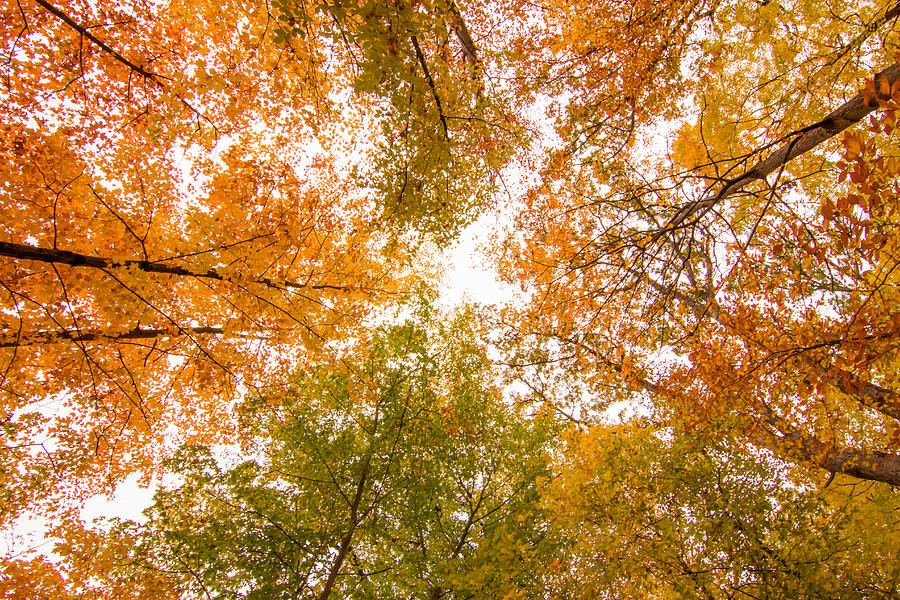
x=848, y=114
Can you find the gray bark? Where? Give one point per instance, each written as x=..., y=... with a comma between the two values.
x=802, y=141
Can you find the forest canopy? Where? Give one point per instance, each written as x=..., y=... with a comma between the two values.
x=221, y=234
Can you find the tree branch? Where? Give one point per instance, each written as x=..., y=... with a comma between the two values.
x=437, y=99
x=147, y=75
x=884, y=400
x=75, y=259
x=103, y=46
x=57, y=337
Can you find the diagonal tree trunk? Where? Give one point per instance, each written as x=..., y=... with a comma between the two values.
x=873, y=465
x=353, y=523
x=458, y=26
x=802, y=141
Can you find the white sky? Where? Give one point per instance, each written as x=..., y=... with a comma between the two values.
x=469, y=278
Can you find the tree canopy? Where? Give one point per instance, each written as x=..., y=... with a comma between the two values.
x=220, y=229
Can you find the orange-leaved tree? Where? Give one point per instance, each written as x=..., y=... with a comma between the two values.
x=181, y=219
x=740, y=277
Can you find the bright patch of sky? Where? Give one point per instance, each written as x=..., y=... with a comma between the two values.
x=468, y=277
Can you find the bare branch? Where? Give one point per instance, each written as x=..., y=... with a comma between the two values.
x=75, y=259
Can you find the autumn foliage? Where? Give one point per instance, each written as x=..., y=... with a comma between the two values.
x=221, y=224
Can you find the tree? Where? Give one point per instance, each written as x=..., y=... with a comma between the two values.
x=395, y=471
x=650, y=516
x=229, y=299
x=718, y=279
x=201, y=201
x=448, y=130
x=180, y=223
